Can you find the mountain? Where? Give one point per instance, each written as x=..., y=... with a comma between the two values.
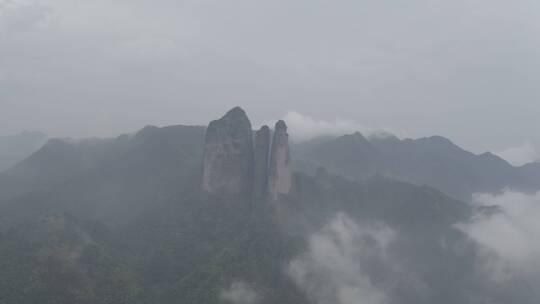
x=531, y=171
x=59, y=259
x=58, y=161
x=15, y=148
x=211, y=215
x=280, y=167
x=234, y=164
x=433, y=161
x=228, y=154
x=109, y=177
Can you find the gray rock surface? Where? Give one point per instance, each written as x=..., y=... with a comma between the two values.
x=228, y=154
x=280, y=179
x=262, y=157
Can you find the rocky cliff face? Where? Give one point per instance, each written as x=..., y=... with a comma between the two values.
x=233, y=163
x=280, y=179
x=262, y=155
x=228, y=154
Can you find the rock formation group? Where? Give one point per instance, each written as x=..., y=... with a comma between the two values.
x=237, y=160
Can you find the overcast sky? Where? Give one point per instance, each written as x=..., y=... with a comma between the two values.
x=465, y=69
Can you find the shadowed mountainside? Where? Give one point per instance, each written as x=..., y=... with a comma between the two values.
x=433, y=161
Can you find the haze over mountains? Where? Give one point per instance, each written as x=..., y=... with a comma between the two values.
x=433, y=161
x=16, y=148
x=382, y=152
x=226, y=214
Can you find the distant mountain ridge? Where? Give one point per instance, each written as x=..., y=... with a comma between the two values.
x=15, y=148
x=60, y=160
x=433, y=161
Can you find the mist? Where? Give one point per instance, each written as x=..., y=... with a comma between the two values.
x=271, y=151
x=76, y=68
x=509, y=235
x=239, y=293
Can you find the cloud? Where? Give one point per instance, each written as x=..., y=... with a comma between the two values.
x=510, y=236
x=239, y=293
x=21, y=16
x=73, y=68
x=520, y=155
x=333, y=270
x=303, y=127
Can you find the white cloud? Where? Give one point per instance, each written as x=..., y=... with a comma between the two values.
x=332, y=269
x=303, y=127
x=511, y=236
x=239, y=293
x=520, y=155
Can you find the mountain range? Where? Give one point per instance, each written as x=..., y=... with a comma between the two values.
x=433, y=161
x=226, y=214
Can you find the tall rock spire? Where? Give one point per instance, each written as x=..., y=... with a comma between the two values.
x=262, y=155
x=228, y=154
x=233, y=163
x=280, y=178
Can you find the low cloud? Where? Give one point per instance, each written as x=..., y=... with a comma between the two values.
x=520, y=155
x=334, y=269
x=239, y=293
x=509, y=235
x=302, y=127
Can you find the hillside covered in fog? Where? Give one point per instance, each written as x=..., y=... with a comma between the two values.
x=227, y=214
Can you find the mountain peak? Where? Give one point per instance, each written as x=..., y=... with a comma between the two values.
x=281, y=125
x=383, y=136
x=437, y=139
x=228, y=154
x=358, y=135
x=261, y=157
x=145, y=132
x=280, y=180
x=236, y=112
x=353, y=139
x=235, y=161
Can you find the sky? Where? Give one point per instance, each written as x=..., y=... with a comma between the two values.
x=465, y=69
